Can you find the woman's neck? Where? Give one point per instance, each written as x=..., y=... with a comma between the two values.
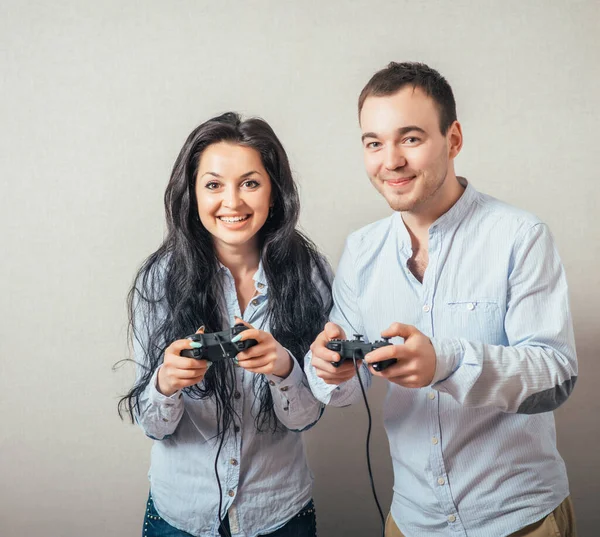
x=241, y=260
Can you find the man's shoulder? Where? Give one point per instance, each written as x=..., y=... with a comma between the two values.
x=498, y=211
x=371, y=236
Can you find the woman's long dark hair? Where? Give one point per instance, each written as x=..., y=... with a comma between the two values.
x=178, y=287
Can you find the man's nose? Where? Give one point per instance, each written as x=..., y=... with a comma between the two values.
x=394, y=158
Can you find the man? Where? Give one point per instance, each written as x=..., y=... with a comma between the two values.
x=477, y=292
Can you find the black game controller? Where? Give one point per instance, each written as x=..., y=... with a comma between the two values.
x=218, y=345
x=357, y=348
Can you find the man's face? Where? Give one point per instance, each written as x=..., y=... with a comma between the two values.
x=406, y=156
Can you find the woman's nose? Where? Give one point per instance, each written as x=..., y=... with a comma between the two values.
x=232, y=198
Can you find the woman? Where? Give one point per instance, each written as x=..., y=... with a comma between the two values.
x=228, y=456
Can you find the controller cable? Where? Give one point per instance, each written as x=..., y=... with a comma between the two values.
x=221, y=525
x=362, y=389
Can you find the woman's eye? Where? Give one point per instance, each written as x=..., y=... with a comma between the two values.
x=212, y=185
x=251, y=183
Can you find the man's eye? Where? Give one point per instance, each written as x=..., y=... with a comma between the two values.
x=373, y=145
x=412, y=140
x=251, y=183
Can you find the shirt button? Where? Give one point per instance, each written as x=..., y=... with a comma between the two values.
x=470, y=306
x=441, y=480
x=165, y=419
x=231, y=493
x=271, y=383
x=254, y=302
x=233, y=462
x=260, y=285
x=426, y=308
x=236, y=428
x=451, y=518
x=237, y=395
x=284, y=388
x=434, y=440
x=431, y=395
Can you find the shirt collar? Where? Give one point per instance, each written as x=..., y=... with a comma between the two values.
x=260, y=278
x=449, y=219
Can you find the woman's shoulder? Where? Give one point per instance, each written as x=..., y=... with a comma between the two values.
x=150, y=279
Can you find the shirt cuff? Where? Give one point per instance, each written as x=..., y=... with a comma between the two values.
x=320, y=389
x=449, y=355
x=295, y=377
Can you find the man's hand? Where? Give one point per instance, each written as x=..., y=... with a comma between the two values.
x=267, y=357
x=416, y=357
x=322, y=357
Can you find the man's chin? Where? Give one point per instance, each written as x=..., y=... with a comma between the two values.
x=400, y=203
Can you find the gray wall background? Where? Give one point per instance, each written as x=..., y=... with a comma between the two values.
x=96, y=100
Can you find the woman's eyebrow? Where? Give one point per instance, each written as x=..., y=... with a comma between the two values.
x=214, y=174
x=248, y=174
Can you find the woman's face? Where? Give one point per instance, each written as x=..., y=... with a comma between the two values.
x=233, y=191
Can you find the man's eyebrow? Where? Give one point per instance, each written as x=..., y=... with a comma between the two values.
x=401, y=131
x=368, y=135
x=410, y=128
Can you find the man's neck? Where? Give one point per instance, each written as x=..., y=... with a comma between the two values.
x=419, y=220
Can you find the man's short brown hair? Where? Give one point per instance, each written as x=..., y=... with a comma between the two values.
x=395, y=76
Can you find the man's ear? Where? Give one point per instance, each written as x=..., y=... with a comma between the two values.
x=454, y=137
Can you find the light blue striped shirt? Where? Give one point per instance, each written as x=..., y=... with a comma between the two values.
x=474, y=454
x=265, y=477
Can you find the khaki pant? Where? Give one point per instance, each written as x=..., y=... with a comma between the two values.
x=559, y=523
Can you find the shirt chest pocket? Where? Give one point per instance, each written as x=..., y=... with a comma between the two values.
x=475, y=320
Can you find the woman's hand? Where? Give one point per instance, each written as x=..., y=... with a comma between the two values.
x=176, y=371
x=267, y=356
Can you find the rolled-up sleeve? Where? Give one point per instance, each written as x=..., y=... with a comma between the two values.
x=536, y=372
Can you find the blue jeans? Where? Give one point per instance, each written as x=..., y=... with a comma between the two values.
x=304, y=524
